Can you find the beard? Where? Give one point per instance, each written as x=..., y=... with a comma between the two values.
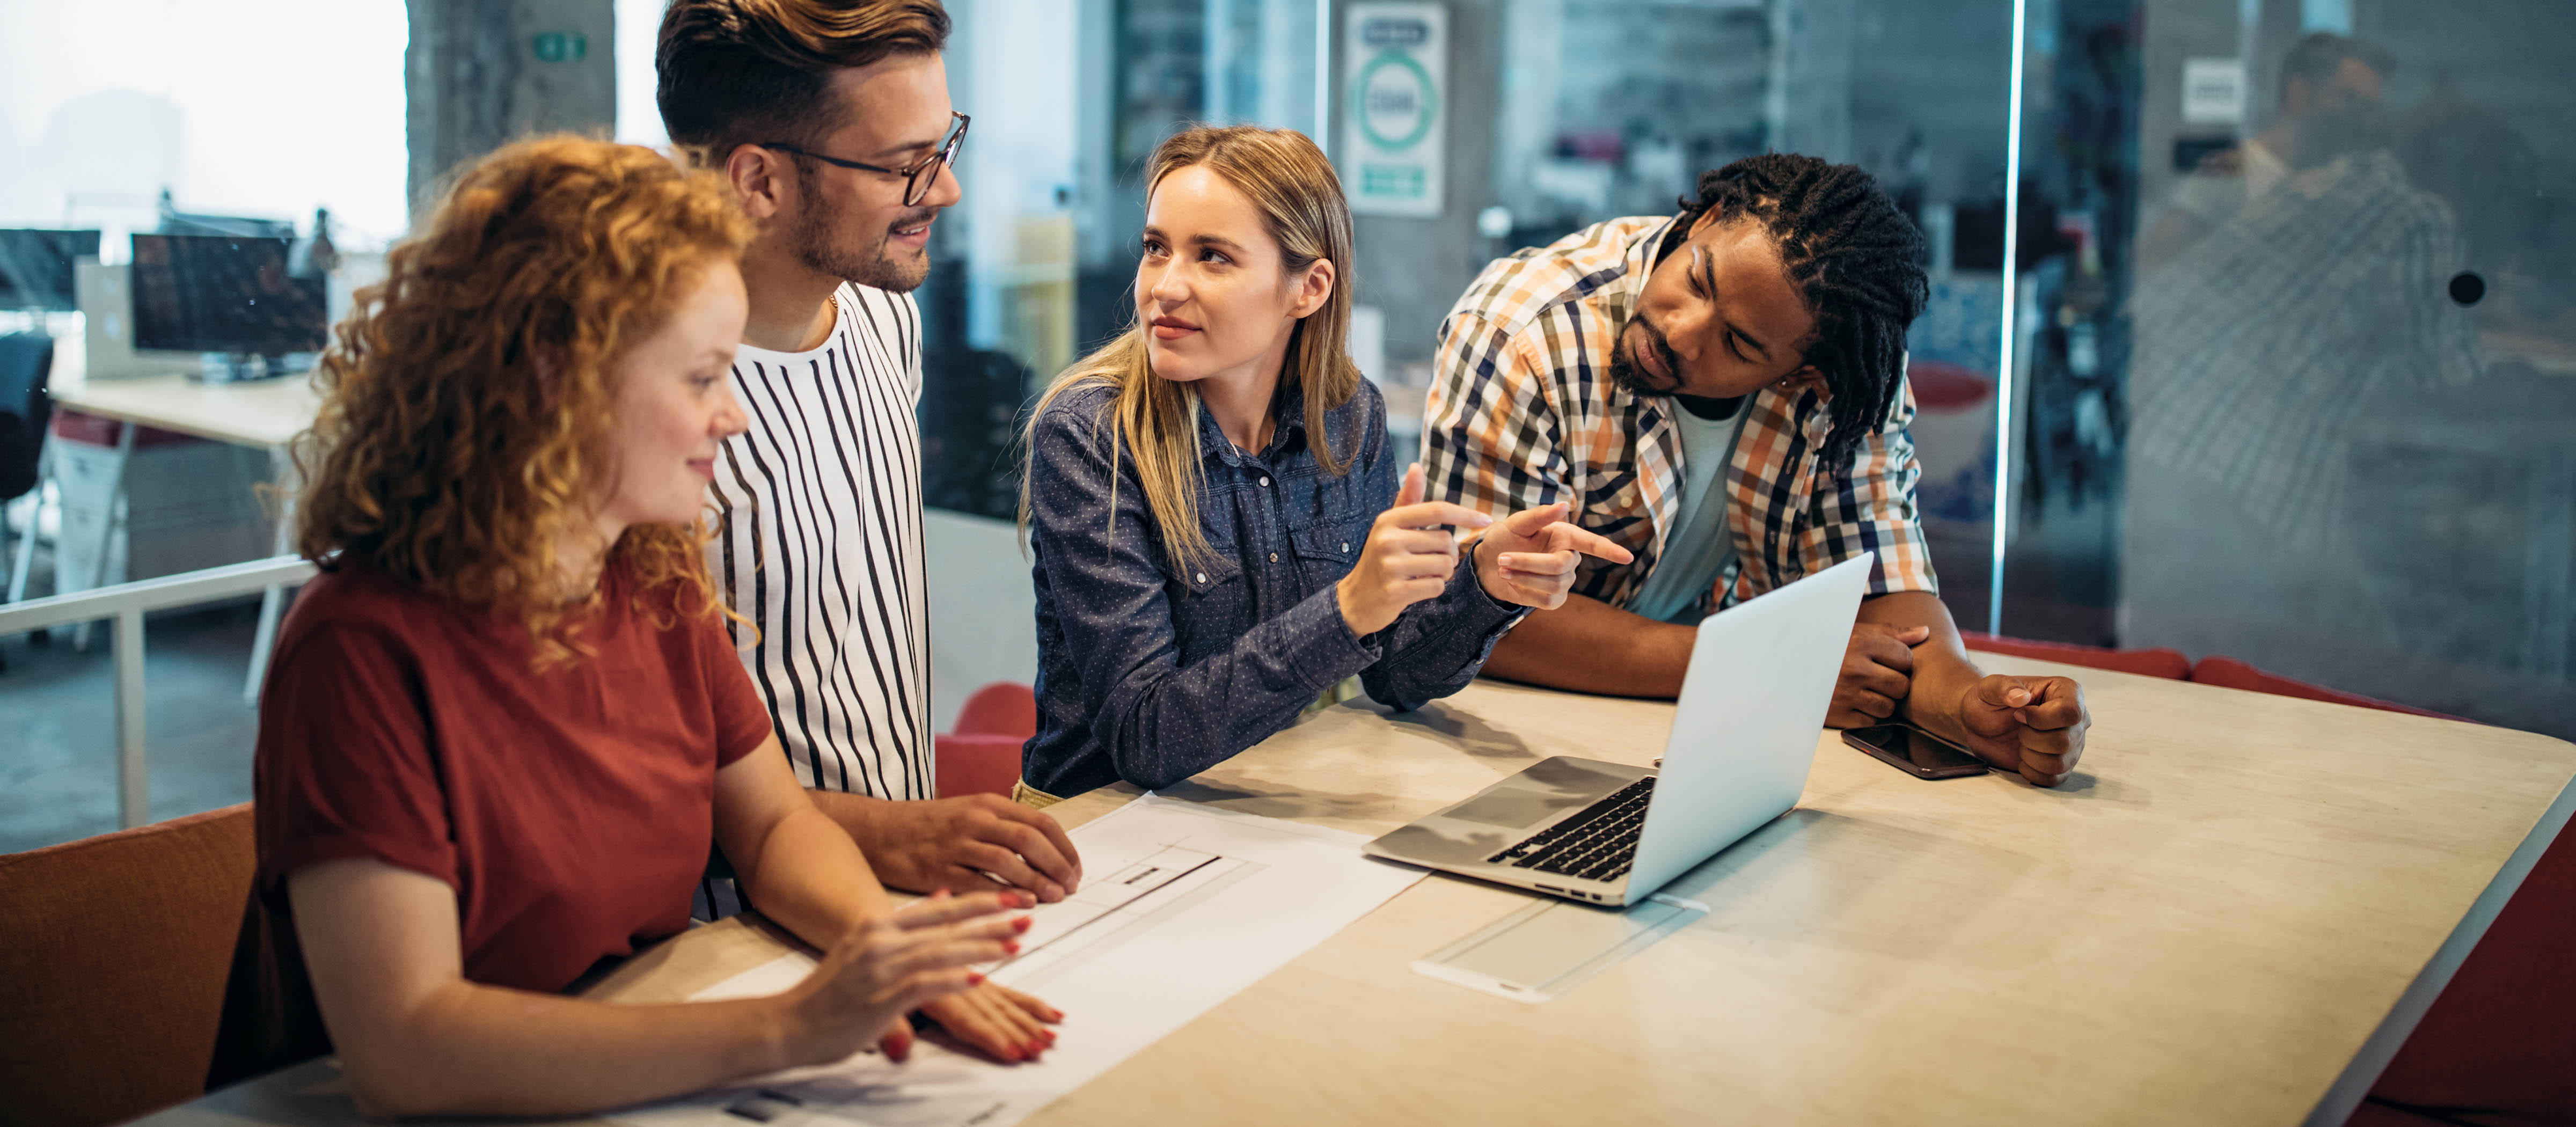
x=1633, y=377
x=824, y=247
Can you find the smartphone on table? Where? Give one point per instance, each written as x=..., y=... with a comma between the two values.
x=1915, y=751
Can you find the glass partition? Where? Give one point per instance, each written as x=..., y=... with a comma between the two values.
x=2291, y=373
x=2313, y=403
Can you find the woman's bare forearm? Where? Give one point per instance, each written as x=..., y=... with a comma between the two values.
x=417, y=1038
x=796, y=865
x=469, y=1049
x=810, y=878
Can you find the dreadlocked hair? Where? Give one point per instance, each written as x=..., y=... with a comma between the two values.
x=1855, y=260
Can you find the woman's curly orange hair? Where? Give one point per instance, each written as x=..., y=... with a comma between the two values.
x=468, y=399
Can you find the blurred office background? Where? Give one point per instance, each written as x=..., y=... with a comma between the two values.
x=2271, y=303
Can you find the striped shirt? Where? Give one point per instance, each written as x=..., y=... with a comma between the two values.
x=1522, y=413
x=820, y=546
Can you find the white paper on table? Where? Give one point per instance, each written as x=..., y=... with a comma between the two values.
x=1184, y=906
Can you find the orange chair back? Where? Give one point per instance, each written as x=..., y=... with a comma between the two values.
x=116, y=951
x=983, y=755
x=1003, y=708
x=977, y=764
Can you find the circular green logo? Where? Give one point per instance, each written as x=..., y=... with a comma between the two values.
x=1418, y=101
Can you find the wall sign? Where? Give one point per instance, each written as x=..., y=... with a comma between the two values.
x=1394, y=107
x=561, y=47
x=2213, y=91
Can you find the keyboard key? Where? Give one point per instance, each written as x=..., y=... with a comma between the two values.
x=1595, y=844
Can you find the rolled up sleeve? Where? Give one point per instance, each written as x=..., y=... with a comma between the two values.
x=1872, y=508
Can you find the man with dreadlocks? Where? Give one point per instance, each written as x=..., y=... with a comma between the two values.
x=1722, y=392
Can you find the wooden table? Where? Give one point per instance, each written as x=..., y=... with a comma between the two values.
x=2233, y=913
x=265, y=414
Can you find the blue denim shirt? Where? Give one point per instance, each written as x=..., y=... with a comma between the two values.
x=1153, y=675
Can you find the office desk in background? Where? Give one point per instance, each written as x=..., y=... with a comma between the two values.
x=2234, y=912
x=264, y=415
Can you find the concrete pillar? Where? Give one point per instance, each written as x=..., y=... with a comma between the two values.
x=482, y=73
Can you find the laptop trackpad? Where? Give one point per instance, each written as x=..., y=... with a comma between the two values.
x=1516, y=806
x=1544, y=790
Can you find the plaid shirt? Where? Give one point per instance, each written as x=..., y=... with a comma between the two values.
x=1522, y=413
x=2258, y=345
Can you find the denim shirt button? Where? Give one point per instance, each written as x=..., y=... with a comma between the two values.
x=1274, y=557
x=1201, y=577
x=1265, y=483
x=1346, y=547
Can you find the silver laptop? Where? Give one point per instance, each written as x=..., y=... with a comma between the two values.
x=1753, y=700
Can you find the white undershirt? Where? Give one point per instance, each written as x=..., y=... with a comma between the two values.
x=1701, y=545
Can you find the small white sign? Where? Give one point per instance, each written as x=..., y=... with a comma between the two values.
x=1394, y=106
x=2213, y=91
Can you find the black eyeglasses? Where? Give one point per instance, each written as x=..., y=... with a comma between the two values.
x=917, y=176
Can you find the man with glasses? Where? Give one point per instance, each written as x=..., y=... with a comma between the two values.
x=832, y=121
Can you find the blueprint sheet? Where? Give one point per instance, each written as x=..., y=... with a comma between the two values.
x=1181, y=906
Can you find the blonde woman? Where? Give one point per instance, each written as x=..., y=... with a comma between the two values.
x=1208, y=496
x=503, y=730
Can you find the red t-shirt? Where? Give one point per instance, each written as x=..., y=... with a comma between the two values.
x=572, y=809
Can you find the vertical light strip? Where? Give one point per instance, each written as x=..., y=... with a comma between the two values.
x=1324, y=77
x=2011, y=319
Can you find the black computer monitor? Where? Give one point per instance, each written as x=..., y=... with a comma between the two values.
x=219, y=293
x=186, y=223
x=36, y=267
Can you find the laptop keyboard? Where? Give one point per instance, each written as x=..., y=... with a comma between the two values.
x=1598, y=844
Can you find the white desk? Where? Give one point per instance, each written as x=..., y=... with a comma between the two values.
x=266, y=415
x=2233, y=913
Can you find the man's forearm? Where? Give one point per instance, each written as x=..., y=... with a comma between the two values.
x=1942, y=669
x=1590, y=646
x=848, y=811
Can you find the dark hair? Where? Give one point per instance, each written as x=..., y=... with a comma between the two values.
x=1856, y=261
x=740, y=72
x=2319, y=54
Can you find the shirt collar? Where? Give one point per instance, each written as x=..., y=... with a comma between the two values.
x=1644, y=251
x=1649, y=250
x=1288, y=416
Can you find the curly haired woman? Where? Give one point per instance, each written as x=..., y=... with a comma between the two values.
x=504, y=729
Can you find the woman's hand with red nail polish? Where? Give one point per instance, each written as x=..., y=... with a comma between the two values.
x=887, y=967
x=995, y=1019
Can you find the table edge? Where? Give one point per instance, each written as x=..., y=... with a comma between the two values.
x=79, y=400
x=2344, y=1096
